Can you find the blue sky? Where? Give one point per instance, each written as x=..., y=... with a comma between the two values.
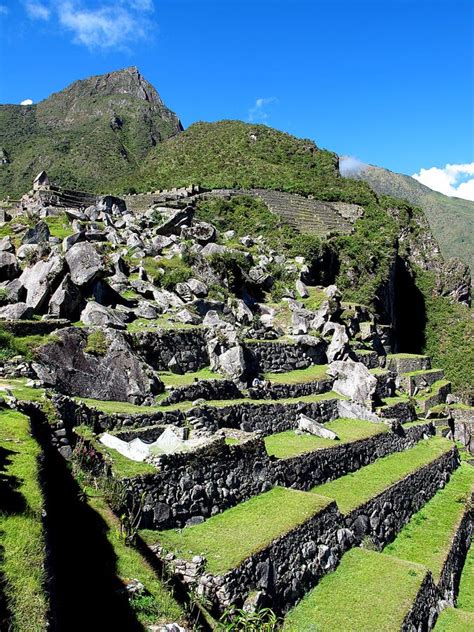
x=387, y=81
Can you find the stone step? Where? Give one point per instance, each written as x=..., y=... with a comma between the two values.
x=416, y=380
x=433, y=396
x=407, y=362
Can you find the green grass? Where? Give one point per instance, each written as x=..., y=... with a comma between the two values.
x=368, y=592
x=287, y=444
x=455, y=620
x=358, y=487
x=21, y=391
x=164, y=322
x=161, y=606
x=229, y=538
x=172, y=379
x=299, y=376
x=421, y=372
x=466, y=587
x=432, y=390
x=22, y=564
x=404, y=356
x=316, y=298
x=59, y=226
x=426, y=539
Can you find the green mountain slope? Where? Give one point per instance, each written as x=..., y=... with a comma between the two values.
x=451, y=219
x=88, y=136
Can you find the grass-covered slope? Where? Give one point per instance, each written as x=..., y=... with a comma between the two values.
x=22, y=560
x=88, y=136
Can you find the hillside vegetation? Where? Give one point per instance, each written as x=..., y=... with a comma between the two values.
x=87, y=136
x=451, y=219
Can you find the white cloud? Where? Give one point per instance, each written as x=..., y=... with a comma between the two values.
x=452, y=180
x=105, y=27
x=141, y=5
x=37, y=11
x=258, y=111
x=27, y=102
x=350, y=166
x=3, y=9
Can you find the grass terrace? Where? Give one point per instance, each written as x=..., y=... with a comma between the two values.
x=431, y=390
x=426, y=539
x=114, y=407
x=404, y=356
x=289, y=444
x=313, y=373
x=229, y=538
x=358, y=487
x=466, y=587
x=23, y=546
x=163, y=322
x=368, y=592
x=21, y=391
x=173, y=379
x=455, y=620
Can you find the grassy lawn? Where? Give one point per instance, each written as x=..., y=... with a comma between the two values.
x=227, y=539
x=404, y=356
x=22, y=563
x=358, y=487
x=114, y=407
x=287, y=444
x=421, y=372
x=164, y=322
x=432, y=390
x=316, y=298
x=368, y=592
x=455, y=620
x=426, y=539
x=157, y=607
x=299, y=376
x=21, y=391
x=172, y=379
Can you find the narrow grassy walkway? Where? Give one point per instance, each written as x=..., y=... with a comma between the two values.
x=313, y=373
x=173, y=379
x=466, y=587
x=159, y=605
x=288, y=444
x=355, y=489
x=21, y=506
x=229, y=538
x=455, y=620
x=368, y=592
x=426, y=539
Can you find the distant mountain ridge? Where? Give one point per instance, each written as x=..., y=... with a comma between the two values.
x=451, y=219
x=87, y=136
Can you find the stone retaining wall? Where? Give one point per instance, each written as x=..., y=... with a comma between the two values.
x=382, y=517
x=204, y=389
x=279, y=357
x=187, y=347
x=284, y=391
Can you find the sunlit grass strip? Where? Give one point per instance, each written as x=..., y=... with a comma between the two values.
x=229, y=538
x=21, y=528
x=358, y=487
x=288, y=444
x=426, y=539
x=368, y=592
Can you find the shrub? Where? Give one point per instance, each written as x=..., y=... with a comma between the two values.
x=97, y=343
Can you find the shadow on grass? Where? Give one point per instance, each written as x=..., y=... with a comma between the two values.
x=11, y=500
x=85, y=589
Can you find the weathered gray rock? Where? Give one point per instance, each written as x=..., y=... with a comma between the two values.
x=174, y=220
x=39, y=281
x=84, y=263
x=116, y=375
x=37, y=234
x=66, y=301
x=97, y=315
x=198, y=288
x=242, y=312
x=202, y=232
x=306, y=424
x=17, y=311
x=183, y=290
x=9, y=267
x=302, y=289
x=339, y=346
x=6, y=244
x=146, y=310
x=232, y=363
x=160, y=242
x=354, y=380
x=15, y=292
x=185, y=316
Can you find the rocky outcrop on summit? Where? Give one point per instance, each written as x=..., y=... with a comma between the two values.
x=74, y=366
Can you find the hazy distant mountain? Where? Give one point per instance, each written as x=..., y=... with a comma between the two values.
x=451, y=219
